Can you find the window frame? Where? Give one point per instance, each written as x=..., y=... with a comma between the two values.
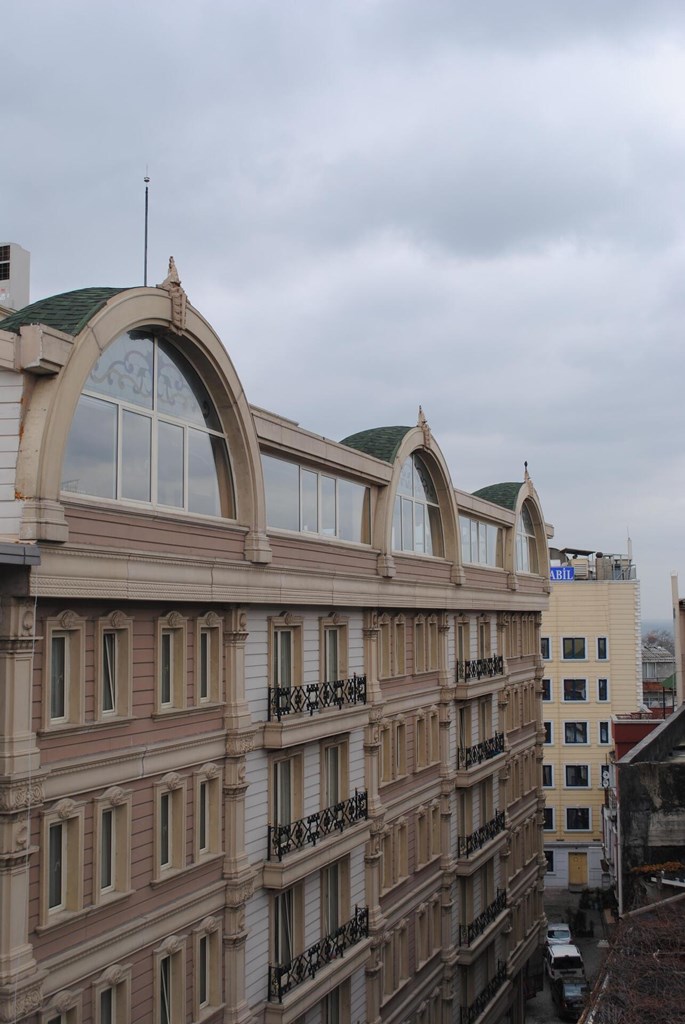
x=546, y=644
x=285, y=623
x=431, y=515
x=209, y=933
x=72, y=628
x=548, y=768
x=120, y=626
x=207, y=784
x=572, y=699
x=600, y=725
x=295, y=895
x=584, y=828
x=549, y=731
x=574, y=641
x=603, y=688
x=578, y=785
x=546, y=691
x=575, y=743
x=69, y=817
x=118, y=979
x=172, y=787
x=118, y=803
x=545, y=812
x=549, y=857
x=338, y=625
x=173, y=951
x=175, y=626
x=602, y=642
x=209, y=667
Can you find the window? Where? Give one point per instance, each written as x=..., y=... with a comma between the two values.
x=573, y=648
x=577, y=775
x=112, y=995
x=285, y=651
x=207, y=831
x=333, y=647
x=305, y=501
x=169, y=992
x=547, y=776
x=602, y=648
x=112, y=845
x=602, y=689
x=145, y=430
x=426, y=639
x=334, y=897
x=548, y=732
x=548, y=819
x=463, y=640
x=64, y=671
x=575, y=732
x=481, y=543
x=208, y=659
x=62, y=870
x=546, y=689
x=114, y=664
x=334, y=787
x=604, y=732
x=577, y=819
x=575, y=689
x=416, y=524
x=545, y=648
x=549, y=857
x=526, y=545
x=207, y=988
x=171, y=663
x=286, y=925
x=170, y=831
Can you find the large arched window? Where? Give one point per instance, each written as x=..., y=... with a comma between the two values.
x=416, y=517
x=145, y=430
x=526, y=544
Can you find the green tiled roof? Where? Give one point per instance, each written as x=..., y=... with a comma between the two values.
x=68, y=312
x=381, y=442
x=505, y=495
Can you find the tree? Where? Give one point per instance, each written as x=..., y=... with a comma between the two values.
x=660, y=638
x=643, y=977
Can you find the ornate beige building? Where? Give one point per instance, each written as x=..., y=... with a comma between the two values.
x=270, y=730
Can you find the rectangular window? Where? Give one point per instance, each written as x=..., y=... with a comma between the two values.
x=577, y=775
x=286, y=907
x=58, y=675
x=61, y=862
x=604, y=732
x=545, y=648
x=575, y=732
x=208, y=659
x=549, y=857
x=573, y=648
x=165, y=825
x=170, y=832
x=203, y=815
x=575, y=689
x=171, y=634
x=548, y=731
x=109, y=672
x=64, y=671
x=283, y=658
x=577, y=819
x=207, y=987
x=112, y=1002
x=107, y=849
x=602, y=648
x=205, y=655
x=166, y=1014
x=113, y=654
x=602, y=689
x=167, y=670
x=546, y=689
x=112, y=815
x=331, y=657
x=333, y=647
x=207, y=830
x=57, y=835
x=333, y=880
x=547, y=776
x=548, y=816
x=203, y=971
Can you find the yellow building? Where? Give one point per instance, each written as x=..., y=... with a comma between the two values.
x=590, y=646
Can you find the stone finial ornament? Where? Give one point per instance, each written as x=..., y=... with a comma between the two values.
x=179, y=299
x=423, y=423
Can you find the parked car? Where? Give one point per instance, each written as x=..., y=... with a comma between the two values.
x=565, y=962
x=558, y=934
x=569, y=997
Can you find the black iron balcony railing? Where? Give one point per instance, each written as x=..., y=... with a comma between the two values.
x=479, y=752
x=310, y=830
x=284, y=977
x=294, y=700
x=480, y=668
x=469, y=1014
x=469, y=932
x=466, y=845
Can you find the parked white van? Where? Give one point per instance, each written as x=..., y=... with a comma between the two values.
x=564, y=961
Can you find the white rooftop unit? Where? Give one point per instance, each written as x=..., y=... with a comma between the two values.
x=14, y=275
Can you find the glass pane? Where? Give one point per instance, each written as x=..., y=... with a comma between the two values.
x=57, y=677
x=331, y=655
x=180, y=392
x=310, y=501
x=328, y=506
x=203, y=816
x=434, y=532
x=203, y=483
x=397, y=526
x=124, y=370
x=90, y=463
x=351, y=510
x=405, y=482
x=419, y=527
x=106, y=1006
x=109, y=668
x=55, y=865
x=482, y=544
x=164, y=829
x=204, y=988
x=106, y=850
x=407, y=524
x=423, y=485
x=166, y=668
x=204, y=664
x=136, y=451
x=282, y=486
x=170, y=464
x=465, y=530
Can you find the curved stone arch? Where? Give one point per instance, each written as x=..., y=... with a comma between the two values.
x=414, y=442
x=528, y=496
x=53, y=402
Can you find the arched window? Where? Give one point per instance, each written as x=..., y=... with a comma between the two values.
x=145, y=430
x=416, y=517
x=526, y=544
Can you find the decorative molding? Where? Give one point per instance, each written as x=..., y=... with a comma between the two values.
x=174, y=620
x=172, y=780
x=238, y=893
x=177, y=297
x=18, y=1005
x=65, y=809
x=171, y=945
x=118, y=620
x=68, y=620
x=240, y=743
x=21, y=797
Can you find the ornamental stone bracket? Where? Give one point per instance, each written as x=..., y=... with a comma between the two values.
x=240, y=889
x=257, y=548
x=16, y=797
x=177, y=297
x=512, y=581
x=385, y=566
x=19, y=1000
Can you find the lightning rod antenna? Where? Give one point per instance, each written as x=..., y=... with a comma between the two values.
x=146, y=179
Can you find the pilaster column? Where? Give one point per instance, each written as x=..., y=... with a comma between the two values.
x=237, y=1010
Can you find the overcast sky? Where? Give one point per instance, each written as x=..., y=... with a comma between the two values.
x=478, y=207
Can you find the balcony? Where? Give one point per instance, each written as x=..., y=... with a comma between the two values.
x=309, y=831
x=479, y=752
x=466, y=845
x=283, y=978
x=469, y=1014
x=480, y=668
x=469, y=932
x=297, y=700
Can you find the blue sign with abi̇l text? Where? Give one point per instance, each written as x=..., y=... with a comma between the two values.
x=561, y=572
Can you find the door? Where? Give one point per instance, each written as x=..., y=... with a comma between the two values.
x=577, y=869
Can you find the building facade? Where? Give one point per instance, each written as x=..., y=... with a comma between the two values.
x=270, y=730
x=590, y=646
